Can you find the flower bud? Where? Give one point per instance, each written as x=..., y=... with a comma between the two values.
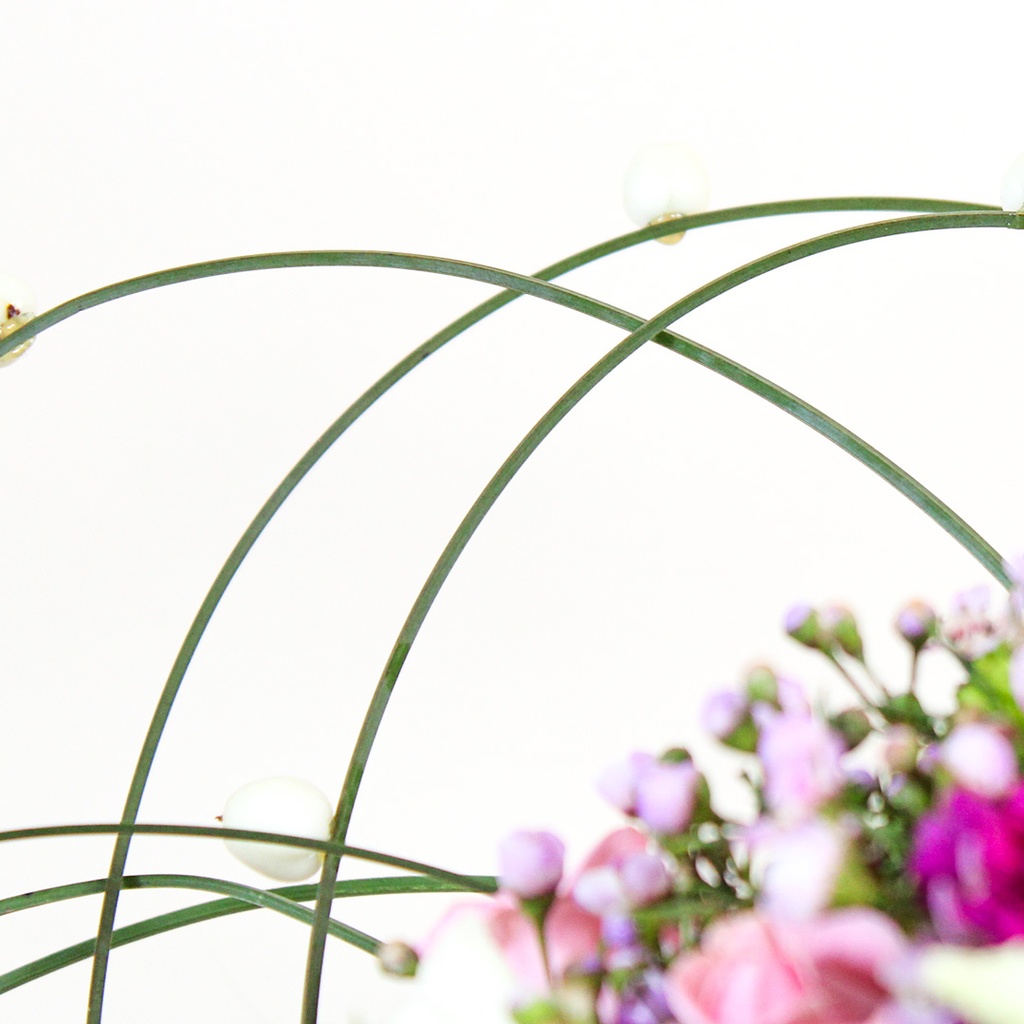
x=917, y=624
x=617, y=783
x=840, y=627
x=666, y=795
x=645, y=879
x=801, y=623
x=722, y=713
x=530, y=863
x=600, y=891
x=762, y=686
x=398, y=959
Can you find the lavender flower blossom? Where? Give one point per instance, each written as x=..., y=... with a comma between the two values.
x=530, y=863
x=645, y=879
x=617, y=783
x=980, y=758
x=801, y=759
x=666, y=795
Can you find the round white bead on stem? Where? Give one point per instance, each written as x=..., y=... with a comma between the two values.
x=663, y=182
x=1013, y=186
x=17, y=307
x=285, y=805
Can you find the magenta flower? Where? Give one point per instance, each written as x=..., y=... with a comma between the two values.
x=968, y=857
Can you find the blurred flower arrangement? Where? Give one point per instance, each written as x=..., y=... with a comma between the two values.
x=879, y=879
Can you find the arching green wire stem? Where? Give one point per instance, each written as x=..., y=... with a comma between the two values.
x=202, y=912
x=464, y=883
x=334, y=258
x=651, y=329
x=515, y=285
x=238, y=893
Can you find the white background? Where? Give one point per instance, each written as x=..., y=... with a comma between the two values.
x=643, y=557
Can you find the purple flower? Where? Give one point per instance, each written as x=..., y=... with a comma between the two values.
x=723, y=712
x=617, y=783
x=666, y=795
x=645, y=879
x=968, y=857
x=530, y=863
x=800, y=755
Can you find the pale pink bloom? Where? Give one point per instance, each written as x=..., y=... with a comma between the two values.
x=530, y=863
x=752, y=971
x=666, y=795
x=722, y=713
x=600, y=890
x=801, y=759
x=980, y=758
x=617, y=783
x=970, y=630
x=572, y=933
x=645, y=879
x=796, y=866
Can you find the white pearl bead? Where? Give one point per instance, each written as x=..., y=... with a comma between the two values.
x=285, y=805
x=665, y=179
x=1013, y=186
x=17, y=307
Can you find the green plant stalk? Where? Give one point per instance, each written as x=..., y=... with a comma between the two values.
x=464, y=883
x=191, y=915
x=219, y=267
x=642, y=334
x=269, y=900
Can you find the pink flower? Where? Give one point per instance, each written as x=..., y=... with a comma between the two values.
x=968, y=856
x=750, y=971
x=571, y=933
x=970, y=630
x=980, y=758
x=530, y=863
x=801, y=756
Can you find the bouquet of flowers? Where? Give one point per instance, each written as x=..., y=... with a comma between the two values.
x=879, y=878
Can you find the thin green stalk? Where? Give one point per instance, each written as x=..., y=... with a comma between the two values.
x=465, y=883
x=244, y=894
x=195, y=914
x=386, y=885
x=322, y=258
x=645, y=332
x=219, y=267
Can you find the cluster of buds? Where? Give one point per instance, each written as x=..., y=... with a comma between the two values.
x=887, y=839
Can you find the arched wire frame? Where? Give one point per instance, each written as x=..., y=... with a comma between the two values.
x=933, y=215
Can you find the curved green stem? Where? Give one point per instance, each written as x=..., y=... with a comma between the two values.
x=239, y=894
x=645, y=332
x=202, y=912
x=243, y=264
x=465, y=883
x=335, y=258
